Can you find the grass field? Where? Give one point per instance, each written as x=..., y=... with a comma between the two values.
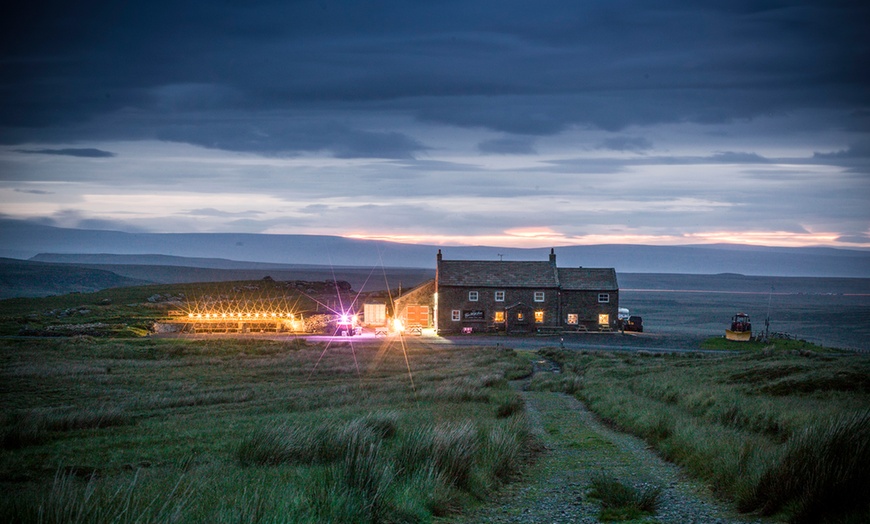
x=778, y=431
x=129, y=429
x=234, y=431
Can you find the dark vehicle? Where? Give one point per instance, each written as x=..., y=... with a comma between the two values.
x=634, y=323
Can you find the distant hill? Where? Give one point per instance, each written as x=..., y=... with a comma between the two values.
x=369, y=278
x=35, y=279
x=23, y=240
x=21, y=278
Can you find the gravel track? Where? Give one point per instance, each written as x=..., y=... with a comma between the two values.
x=578, y=446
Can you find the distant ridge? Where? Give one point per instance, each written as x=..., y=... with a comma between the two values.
x=23, y=240
x=35, y=279
x=168, y=260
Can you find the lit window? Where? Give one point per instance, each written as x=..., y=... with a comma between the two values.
x=499, y=296
x=604, y=298
x=454, y=315
x=539, y=296
x=472, y=296
x=539, y=316
x=573, y=318
x=603, y=319
x=499, y=316
x=520, y=316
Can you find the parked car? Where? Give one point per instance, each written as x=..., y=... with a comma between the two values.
x=634, y=323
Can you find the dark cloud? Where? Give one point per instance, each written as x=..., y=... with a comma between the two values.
x=635, y=144
x=511, y=66
x=275, y=135
x=34, y=191
x=74, y=218
x=79, y=152
x=732, y=157
x=855, y=239
x=211, y=212
x=508, y=146
x=859, y=151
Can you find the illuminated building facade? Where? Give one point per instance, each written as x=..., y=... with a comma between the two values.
x=523, y=297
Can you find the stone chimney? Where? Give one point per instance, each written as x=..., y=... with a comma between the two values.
x=553, y=256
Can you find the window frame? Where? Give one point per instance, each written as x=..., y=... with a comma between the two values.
x=455, y=315
x=539, y=316
x=604, y=298
x=497, y=293
x=573, y=319
x=540, y=296
x=473, y=296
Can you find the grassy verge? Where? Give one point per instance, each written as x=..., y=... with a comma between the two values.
x=721, y=343
x=780, y=433
x=146, y=430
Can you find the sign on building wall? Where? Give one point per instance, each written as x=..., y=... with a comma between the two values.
x=473, y=315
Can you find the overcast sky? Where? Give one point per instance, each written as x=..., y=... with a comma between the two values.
x=500, y=122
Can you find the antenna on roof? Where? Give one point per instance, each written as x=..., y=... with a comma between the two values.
x=500, y=256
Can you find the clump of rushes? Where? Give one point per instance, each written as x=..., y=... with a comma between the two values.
x=383, y=424
x=34, y=426
x=450, y=449
x=822, y=473
x=288, y=444
x=503, y=449
x=507, y=403
x=620, y=502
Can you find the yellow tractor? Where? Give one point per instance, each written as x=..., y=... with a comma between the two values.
x=741, y=328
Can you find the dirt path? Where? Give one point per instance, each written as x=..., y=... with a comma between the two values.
x=578, y=446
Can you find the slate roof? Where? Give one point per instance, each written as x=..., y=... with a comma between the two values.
x=588, y=279
x=488, y=273
x=511, y=274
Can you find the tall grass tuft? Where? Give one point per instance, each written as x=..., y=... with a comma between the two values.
x=620, y=501
x=328, y=442
x=450, y=449
x=560, y=383
x=502, y=453
x=288, y=444
x=382, y=424
x=71, y=500
x=507, y=403
x=824, y=470
x=366, y=470
x=34, y=426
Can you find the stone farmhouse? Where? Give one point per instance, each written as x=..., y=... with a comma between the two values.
x=522, y=297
